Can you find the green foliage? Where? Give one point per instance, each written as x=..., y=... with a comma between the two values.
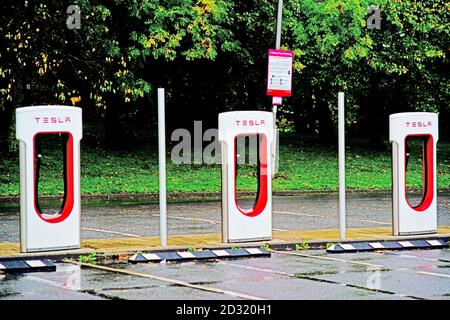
x=190, y=29
x=302, y=246
x=304, y=166
x=211, y=55
x=330, y=244
x=90, y=258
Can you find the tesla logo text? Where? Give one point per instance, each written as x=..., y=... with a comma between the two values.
x=418, y=124
x=250, y=123
x=53, y=120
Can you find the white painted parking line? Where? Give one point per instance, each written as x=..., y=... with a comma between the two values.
x=189, y=218
x=434, y=274
x=326, y=258
x=300, y=214
x=310, y=278
x=170, y=280
x=358, y=262
x=112, y=232
x=319, y=216
x=202, y=220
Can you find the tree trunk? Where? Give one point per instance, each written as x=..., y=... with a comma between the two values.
x=303, y=112
x=326, y=128
x=375, y=116
x=5, y=125
x=113, y=131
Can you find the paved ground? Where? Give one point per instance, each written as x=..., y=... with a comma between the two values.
x=391, y=275
x=419, y=274
x=312, y=211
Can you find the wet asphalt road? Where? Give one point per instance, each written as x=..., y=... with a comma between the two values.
x=401, y=275
x=310, y=211
x=423, y=274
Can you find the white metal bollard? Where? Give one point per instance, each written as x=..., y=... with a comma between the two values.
x=341, y=129
x=162, y=167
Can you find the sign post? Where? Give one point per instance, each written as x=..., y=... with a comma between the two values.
x=279, y=84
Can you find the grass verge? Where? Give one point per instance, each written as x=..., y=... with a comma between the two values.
x=303, y=166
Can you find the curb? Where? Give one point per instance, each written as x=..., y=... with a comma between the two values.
x=282, y=246
x=23, y=266
x=181, y=256
x=387, y=245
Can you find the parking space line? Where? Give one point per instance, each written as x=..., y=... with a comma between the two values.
x=434, y=274
x=298, y=276
x=300, y=214
x=112, y=232
x=204, y=220
x=188, y=218
x=407, y=256
x=305, y=255
x=169, y=280
x=359, y=263
x=319, y=216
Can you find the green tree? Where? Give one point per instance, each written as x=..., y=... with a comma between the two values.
x=402, y=64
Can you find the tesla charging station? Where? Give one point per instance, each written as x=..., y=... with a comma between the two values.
x=41, y=230
x=238, y=224
x=418, y=218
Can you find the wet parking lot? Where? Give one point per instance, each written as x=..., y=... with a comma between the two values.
x=286, y=275
x=306, y=212
x=302, y=275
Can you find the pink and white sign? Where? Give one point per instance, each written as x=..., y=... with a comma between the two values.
x=279, y=73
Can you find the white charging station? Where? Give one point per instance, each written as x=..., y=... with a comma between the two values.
x=39, y=230
x=421, y=218
x=238, y=224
